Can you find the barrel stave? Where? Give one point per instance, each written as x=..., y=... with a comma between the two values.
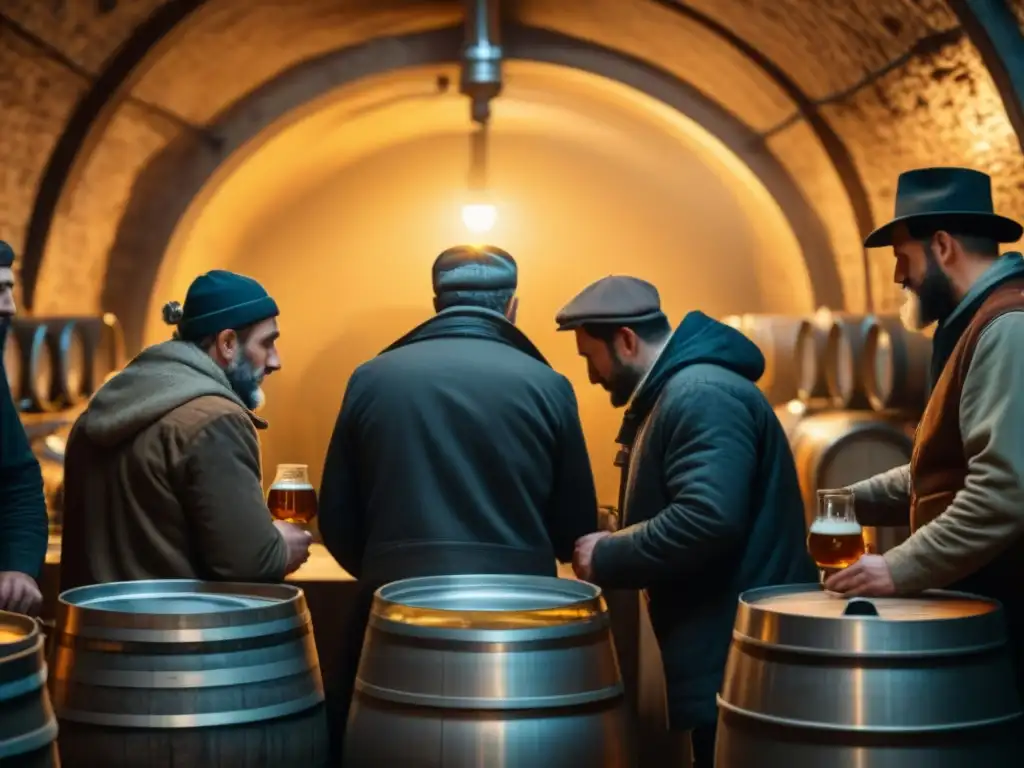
x=746, y=743
x=584, y=736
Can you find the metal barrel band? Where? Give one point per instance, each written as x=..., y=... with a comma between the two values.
x=491, y=704
x=880, y=729
x=29, y=742
x=799, y=650
x=186, y=636
x=516, y=635
x=23, y=685
x=201, y=720
x=188, y=679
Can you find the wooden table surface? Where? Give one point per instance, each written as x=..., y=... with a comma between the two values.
x=320, y=566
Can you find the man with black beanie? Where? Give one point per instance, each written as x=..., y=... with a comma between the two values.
x=23, y=523
x=162, y=470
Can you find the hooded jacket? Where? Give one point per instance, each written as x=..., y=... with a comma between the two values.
x=711, y=506
x=23, y=520
x=162, y=479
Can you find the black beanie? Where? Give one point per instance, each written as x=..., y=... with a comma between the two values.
x=218, y=301
x=6, y=255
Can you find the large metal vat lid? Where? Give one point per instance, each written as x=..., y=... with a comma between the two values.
x=489, y=602
x=158, y=606
x=807, y=619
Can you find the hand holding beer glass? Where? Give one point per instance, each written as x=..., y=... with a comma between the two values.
x=836, y=540
x=292, y=497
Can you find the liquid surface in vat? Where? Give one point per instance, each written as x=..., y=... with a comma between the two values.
x=8, y=636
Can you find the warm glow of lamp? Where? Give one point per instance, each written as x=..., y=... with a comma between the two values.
x=479, y=217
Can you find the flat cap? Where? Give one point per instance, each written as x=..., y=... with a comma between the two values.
x=474, y=268
x=612, y=300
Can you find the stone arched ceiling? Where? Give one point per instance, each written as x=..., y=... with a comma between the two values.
x=844, y=95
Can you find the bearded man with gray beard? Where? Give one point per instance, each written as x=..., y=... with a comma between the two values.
x=963, y=490
x=162, y=470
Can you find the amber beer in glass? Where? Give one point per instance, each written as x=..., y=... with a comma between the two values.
x=292, y=497
x=836, y=540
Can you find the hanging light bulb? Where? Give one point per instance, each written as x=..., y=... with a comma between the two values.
x=479, y=217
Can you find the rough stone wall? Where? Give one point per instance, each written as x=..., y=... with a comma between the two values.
x=227, y=48
x=894, y=78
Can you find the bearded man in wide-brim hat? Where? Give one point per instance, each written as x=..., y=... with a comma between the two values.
x=965, y=483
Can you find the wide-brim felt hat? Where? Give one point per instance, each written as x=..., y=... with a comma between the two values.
x=958, y=198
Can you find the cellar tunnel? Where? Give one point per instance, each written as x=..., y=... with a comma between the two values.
x=734, y=153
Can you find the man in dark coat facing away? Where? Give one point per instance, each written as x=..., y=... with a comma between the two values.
x=457, y=450
x=23, y=521
x=709, y=499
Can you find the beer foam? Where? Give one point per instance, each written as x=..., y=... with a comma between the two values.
x=828, y=527
x=291, y=487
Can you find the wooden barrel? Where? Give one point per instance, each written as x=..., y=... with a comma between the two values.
x=28, y=728
x=38, y=365
x=107, y=349
x=812, y=384
x=895, y=364
x=837, y=449
x=530, y=677
x=187, y=673
x=12, y=364
x=844, y=355
x=816, y=680
x=73, y=374
x=776, y=337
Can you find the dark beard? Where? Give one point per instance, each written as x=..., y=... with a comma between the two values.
x=245, y=381
x=936, y=296
x=622, y=381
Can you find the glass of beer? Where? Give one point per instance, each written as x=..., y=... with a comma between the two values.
x=292, y=497
x=835, y=540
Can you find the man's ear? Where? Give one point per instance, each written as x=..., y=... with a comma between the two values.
x=226, y=344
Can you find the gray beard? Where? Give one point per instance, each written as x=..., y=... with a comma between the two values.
x=910, y=312
x=245, y=382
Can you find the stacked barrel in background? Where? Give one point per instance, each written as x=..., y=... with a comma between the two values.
x=849, y=390
x=56, y=363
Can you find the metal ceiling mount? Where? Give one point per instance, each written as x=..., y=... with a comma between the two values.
x=481, y=57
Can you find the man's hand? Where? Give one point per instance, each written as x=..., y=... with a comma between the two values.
x=19, y=593
x=868, y=577
x=297, y=540
x=583, y=555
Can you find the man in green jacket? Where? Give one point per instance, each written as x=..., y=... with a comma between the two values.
x=162, y=470
x=23, y=522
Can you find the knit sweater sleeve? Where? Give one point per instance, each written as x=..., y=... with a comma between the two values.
x=987, y=515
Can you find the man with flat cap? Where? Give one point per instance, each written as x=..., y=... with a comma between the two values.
x=964, y=487
x=458, y=449
x=23, y=522
x=162, y=470
x=709, y=495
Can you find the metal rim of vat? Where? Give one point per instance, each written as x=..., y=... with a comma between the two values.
x=28, y=625
x=573, y=608
x=81, y=611
x=34, y=680
x=865, y=637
